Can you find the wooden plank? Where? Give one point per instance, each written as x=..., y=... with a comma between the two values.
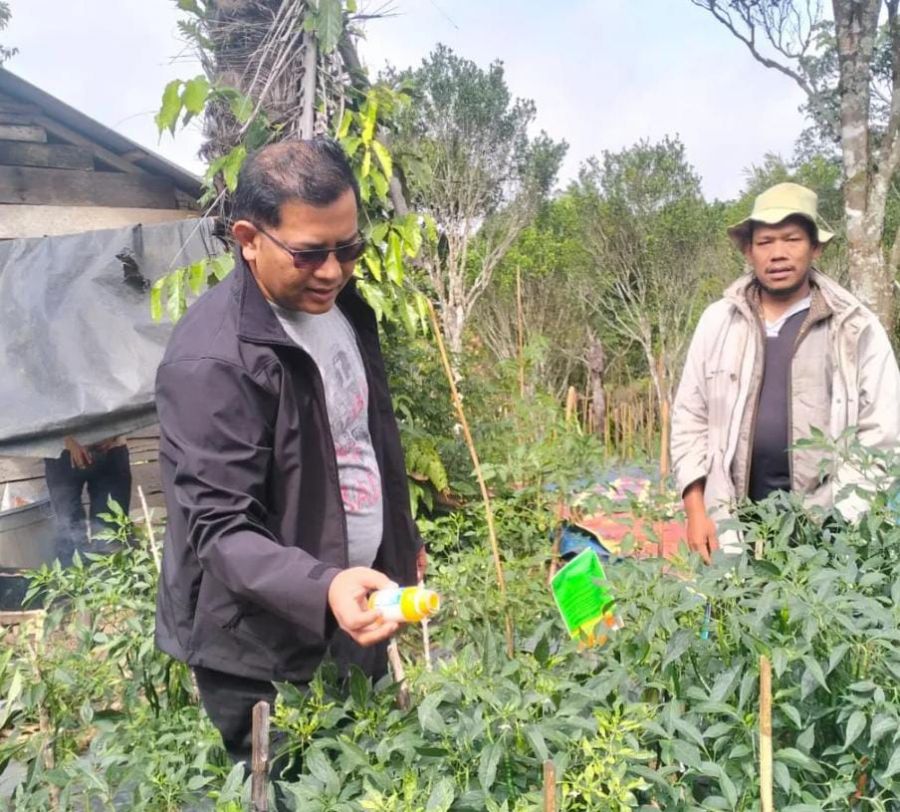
x=17, y=220
x=73, y=187
x=259, y=782
x=16, y=118
x=109, y=158
x=54, y=156
x=10, y=105
x=23, y=132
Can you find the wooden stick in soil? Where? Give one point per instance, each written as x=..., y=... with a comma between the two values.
x=259, y=779
x=399, y=672
x=153, y=548
x=765, y=735
x=549, y=786
x=488, y=510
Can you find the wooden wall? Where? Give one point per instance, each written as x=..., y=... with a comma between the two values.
x=55, y=181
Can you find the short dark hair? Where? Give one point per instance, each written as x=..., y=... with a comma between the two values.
x=315, y=172
x=795, y=219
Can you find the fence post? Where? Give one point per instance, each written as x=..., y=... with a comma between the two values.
x=765, y=735
x=549, y=786
x=259, y=784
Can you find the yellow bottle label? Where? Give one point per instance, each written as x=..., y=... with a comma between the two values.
x=405, y=604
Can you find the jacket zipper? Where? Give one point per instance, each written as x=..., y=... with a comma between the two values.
x=760, y=374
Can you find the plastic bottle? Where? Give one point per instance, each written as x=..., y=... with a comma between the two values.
x=405, y=604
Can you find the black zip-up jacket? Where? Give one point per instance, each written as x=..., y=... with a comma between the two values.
x=256, y=529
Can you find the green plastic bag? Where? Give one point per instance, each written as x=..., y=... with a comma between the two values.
x=583, y=597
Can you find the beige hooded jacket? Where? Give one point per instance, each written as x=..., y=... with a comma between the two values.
x=715, y=407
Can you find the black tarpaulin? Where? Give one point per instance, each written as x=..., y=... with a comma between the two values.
x=78, y=345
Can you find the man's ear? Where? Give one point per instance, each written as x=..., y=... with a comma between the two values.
x=817, y=252
x=247, y=236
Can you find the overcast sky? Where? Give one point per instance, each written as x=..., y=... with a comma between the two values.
x=603, y=73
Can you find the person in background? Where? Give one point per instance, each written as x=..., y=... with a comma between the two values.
x=104, y=470
x=785, y=351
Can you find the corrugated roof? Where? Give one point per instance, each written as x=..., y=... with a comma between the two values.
x=27, y=93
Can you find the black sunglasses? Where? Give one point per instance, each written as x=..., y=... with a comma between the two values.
x=310, y=259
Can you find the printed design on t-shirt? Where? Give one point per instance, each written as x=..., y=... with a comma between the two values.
x=347, y=397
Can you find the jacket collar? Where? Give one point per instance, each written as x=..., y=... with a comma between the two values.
x=828, y=297
x=257, y=322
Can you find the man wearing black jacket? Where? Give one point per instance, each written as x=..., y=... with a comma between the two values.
x=281, y=461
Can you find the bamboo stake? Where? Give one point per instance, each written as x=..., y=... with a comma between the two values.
x=399, y=674
x=488, y=510
x=549, y=786
x=607, y=429
x=765, y=735
x=571, y=404
x=259, y=781
x=153, y=548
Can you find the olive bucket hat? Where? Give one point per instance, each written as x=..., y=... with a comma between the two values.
x=777, y=204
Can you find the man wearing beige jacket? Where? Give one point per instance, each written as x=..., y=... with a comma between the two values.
x=785, y=351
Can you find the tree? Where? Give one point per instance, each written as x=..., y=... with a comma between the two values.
x=658, y=253
x=5, y=14
x=540, y=278
x=791, y=36
x=480, y=176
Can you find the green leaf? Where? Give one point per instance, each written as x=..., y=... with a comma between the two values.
x=690, y=731
x=815, y=671
x=320, y=768
x=678, y=645
x=837, y=654
x=442, y=796
x=713, y=770
x=893, y=766
x=366, y=165
x=779, y=661
x=241, y=107
x=156, y=299
x=360, y=689
x=724, y=684
x=351, y=144
x=197, y=276
x=232, y=166
x=881, y=725
x=384, y=158
x=792, y=713
x=222, y=265
x=794, y=758
x=170, y=108
x=856, y=724
x=782, y=776
x=194, y=95
x=372, y=260
x=807, y=739
x=175, y=293
x=429, y=718
x=370, y=117
x=380, y=182
x=686, y=753
x=329, y=24
x=487, y=765
x=536, y=740
x=394, y=259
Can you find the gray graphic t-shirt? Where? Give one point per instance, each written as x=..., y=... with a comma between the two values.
x=330, y=340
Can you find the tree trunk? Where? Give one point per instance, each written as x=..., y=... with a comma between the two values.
x=596, y=364
x=856, y=26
